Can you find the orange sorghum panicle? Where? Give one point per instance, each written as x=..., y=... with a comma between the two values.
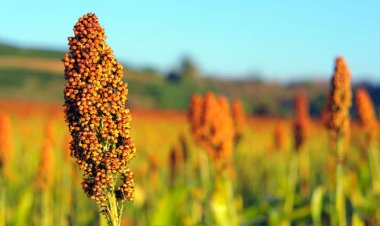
x=212, y=127
x=96, y=113
x=302, y=119
x=5, y=141
x=339, y=103
x=206, y=129
x=340, y=98
x=195, y=113
x=238, y=119
x=226, y=129
x=367, y=114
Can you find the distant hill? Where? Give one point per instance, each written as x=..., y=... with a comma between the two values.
x=8, y=50
x=35, y=74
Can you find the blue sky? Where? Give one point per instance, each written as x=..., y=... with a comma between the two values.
x=282, y=40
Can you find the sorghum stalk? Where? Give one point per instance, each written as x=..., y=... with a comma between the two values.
x=213, y=129
x=2, y=204
x=339, y=126
x=301, y=128
x=97, y=117
x=296, y=166
x=368, y=121
x=66, y=179
x=176, y=162
x=291, y=187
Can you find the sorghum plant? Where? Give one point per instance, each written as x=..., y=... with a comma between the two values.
x=212, y=127
x=176, y=162
x=338, y=104
x=302, y=119
x=367, y=115
x=238, y=117
x=97, y=117
x=368, y=121
x=338, y=123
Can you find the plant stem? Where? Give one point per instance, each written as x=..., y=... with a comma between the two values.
x=113, y=216
x=339, y=198
x=102, y=220
x=2, y=202
x=45, y=208
x=317, y=206
x=206, y=182
x=291, y=188
x=230, y=195
x=374, y=167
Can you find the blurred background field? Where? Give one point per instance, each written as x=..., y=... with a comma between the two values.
x=168, y=194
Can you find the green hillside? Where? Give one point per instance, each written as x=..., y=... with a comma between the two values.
x=7, y=50
x=42, y=80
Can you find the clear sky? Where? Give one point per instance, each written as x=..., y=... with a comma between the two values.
x=282, y=40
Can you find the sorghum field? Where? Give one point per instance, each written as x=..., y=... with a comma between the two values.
x=269, y=181
x=95, y=159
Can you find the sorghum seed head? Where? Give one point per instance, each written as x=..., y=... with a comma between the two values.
x=238, y=117
x=302, y=119
x=212, y=127
x=339, y=103
x=367, y=114
x=96, y=113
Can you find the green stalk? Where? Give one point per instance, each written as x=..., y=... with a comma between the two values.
x=375, y=168
x=66, y=196
x=205, y=180
x=102, y=220
x=2, y=203
x=291, y=188
x=45, y=208
x=340, y=197
x=305, y=172
x=317, y=206
x=230, y=196
x=222, y=203
x=113, y=214
x=205, y=171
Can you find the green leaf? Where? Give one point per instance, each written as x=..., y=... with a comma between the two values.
x=23, y=209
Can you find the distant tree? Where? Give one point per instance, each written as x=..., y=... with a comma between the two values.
x=189, y=71
x=173, y=76
x=265, y=107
